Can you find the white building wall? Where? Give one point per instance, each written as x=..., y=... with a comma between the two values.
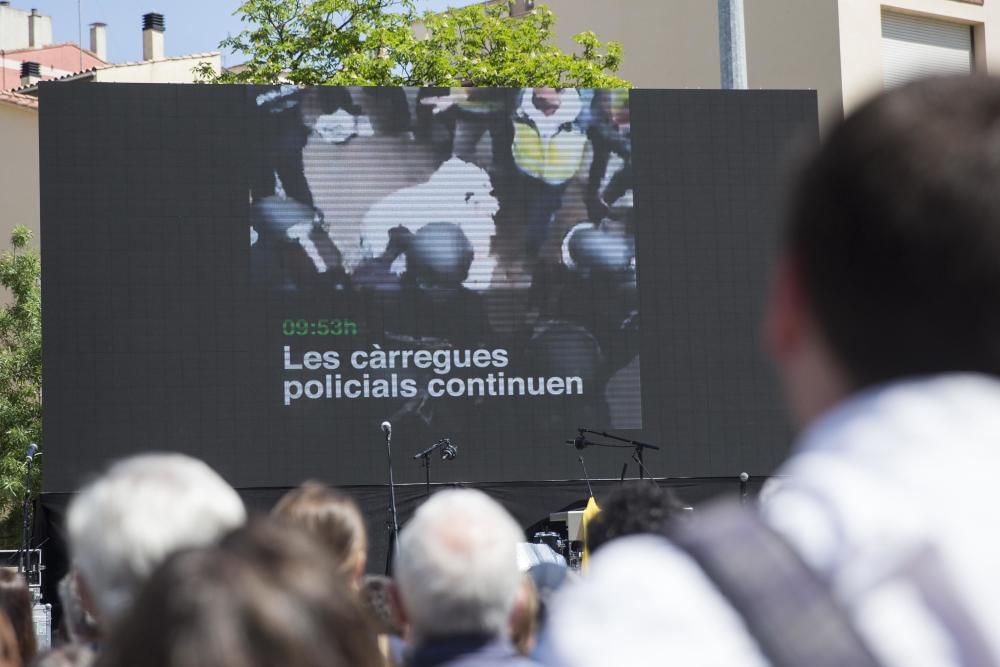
x=861, y=39
x=14, y=32
x=171, y=70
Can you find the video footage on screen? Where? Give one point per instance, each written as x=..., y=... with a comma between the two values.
x=457, y=219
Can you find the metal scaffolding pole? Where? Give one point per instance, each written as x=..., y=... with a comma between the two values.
x=732, y=45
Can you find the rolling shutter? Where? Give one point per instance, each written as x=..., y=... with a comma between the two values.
x=919, y=46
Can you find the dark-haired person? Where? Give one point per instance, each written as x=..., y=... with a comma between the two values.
x=15, y=601
x=334, y=520
x=884, y=325
x=635, y=508
x=263, y=597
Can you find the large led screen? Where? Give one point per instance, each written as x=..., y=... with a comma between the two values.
x=262, y=275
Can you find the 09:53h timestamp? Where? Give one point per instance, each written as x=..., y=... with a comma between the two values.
x=330, y=327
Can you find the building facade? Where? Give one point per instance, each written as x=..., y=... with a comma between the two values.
x=846, y=50
x=19, y=164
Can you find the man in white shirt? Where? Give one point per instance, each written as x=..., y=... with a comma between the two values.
x=884, y=325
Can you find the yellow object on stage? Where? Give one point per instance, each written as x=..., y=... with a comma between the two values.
x=591, y=511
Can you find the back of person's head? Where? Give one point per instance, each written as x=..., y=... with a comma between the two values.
x=632, y=509
x=893, y=232
x=377, y=597
x=15, y=601
x=78, y=625
x=70, y=655
x=127, y=521
x=457, y=568
x=526, y=617
x=548, y=579
x=261, y=598
x=333, y=519
x=10, y=655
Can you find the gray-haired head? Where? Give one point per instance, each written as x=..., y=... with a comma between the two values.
x=457, y=567
x=126, y=522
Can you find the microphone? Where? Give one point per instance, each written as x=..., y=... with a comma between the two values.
x=387, y=429
x=449, y=452
x=579, y=442
x=32, y=450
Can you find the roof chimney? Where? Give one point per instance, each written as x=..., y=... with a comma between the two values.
x=152, y=36
x=99, y=40
x=33, y=31
x=31, y=73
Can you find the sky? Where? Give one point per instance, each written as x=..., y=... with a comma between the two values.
x=192, y=26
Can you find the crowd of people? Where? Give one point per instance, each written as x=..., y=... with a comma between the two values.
x=876, y=548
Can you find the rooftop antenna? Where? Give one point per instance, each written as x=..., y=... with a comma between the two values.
x=79, y=32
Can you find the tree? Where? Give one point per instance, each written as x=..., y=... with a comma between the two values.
x=20, y=370
x=387, y=43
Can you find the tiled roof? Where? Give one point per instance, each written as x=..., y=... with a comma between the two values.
x=26, y=101
x=49, y=47
x=71, y=75
x=80, y=74
x=76, y=75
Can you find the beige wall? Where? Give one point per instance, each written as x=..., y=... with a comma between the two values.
x=18, y=171
x=831, y=46
x=861, y=38
x=668, y=43
x=796, y=45
x=171, y=70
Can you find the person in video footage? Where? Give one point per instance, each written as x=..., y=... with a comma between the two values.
x=548, y=151
x=286, y=225
x=455, y=120
x=496, y=217
x=597, y=256
x=610, y=135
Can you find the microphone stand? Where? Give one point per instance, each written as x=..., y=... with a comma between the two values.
x=392, y=524
x=638, y=446
x=24, y=557
x=586, y=476
x=637, y=457
x=426, y=463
